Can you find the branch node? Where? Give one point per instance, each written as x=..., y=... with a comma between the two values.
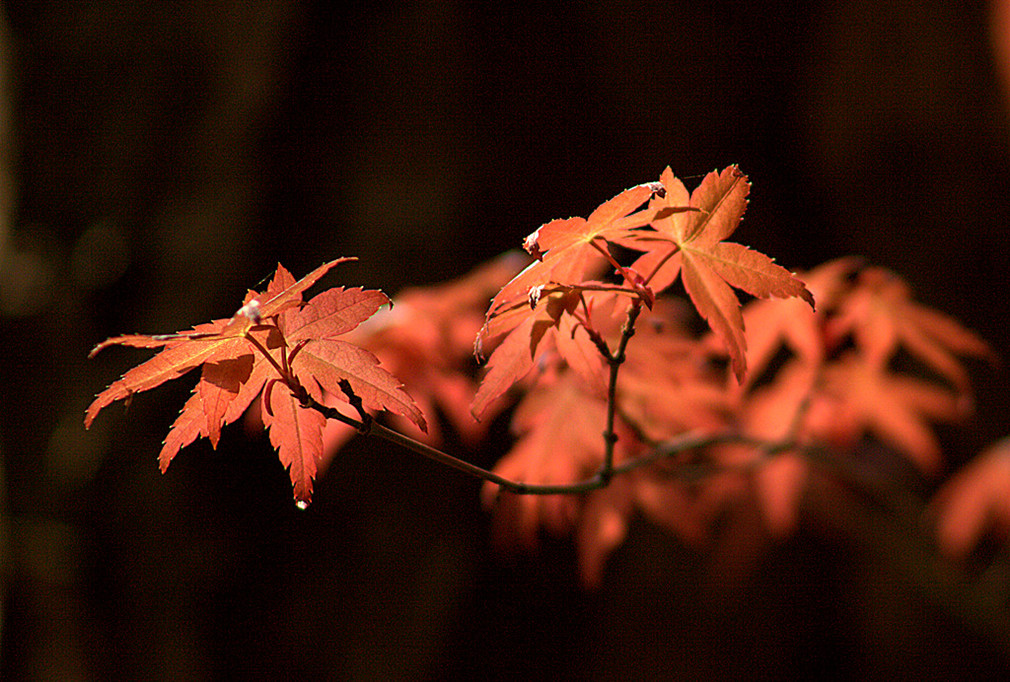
x=355, y=400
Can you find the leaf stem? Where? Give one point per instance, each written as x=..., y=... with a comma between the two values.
x=606, y=254
x=285, y=375
x=661, y=263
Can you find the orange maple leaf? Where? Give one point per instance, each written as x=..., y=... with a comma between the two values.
x=570, y=250
x=515, y=356
x=296, y=432
x=690, y=243
x=273, y=337
x=975, y=501
x=858, y=395
x=881, y=316
x=561, y=316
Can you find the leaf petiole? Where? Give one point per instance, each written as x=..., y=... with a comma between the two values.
x=285, y=376
x=662, y=262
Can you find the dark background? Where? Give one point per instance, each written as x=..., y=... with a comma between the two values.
x=160, y=158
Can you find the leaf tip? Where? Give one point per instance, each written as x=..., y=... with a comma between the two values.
x=99, y=348
x=807, y=296
x=740, y=373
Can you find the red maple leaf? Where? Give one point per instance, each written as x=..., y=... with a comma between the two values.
x=273, y=338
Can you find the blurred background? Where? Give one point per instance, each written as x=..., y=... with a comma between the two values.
x=157, y=159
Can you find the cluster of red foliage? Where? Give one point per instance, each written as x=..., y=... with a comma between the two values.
x=621, y=406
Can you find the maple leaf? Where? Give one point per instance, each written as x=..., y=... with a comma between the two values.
x=570, y=250
x=296, y=432
x=274, y=337
x=513, y=358
x=559, y=427
x=548, y=317
x=861, y=396
x=881, y=316
x=974, y=501
x=691, y=244
x=215, y=341
x=567, y=252
x=322, y=363
x=772, y=323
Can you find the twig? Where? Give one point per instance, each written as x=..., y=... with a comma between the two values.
x=666, y=450
x=425, y=450
x=367, y=426
x=615, y=360
x=355, y=400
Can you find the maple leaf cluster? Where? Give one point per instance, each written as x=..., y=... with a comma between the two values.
x=630, y=397
x=274, y=338
x=817, y=379
x=824, y=377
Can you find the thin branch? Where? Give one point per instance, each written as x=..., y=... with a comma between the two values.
x=375, y=429
x=696, y=441
x=355, y=400
x=366, y=425
x=615, y=360
x=668, y=449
